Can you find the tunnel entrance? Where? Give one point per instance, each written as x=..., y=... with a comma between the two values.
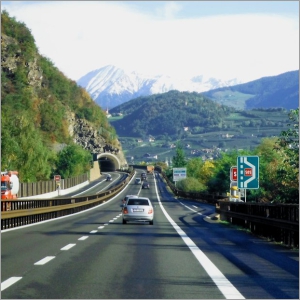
x=108, y=162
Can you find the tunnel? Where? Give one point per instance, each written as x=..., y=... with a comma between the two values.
x=108, y=162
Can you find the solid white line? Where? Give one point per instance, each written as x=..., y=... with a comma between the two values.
x=223, y=284
x=44, y=260
x=68, y=247
x=83, y=238
x=8, y=282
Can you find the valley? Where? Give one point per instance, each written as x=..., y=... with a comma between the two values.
x=238, y=131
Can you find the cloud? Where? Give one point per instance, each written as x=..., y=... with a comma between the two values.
x=169, y=10
x=82, y=36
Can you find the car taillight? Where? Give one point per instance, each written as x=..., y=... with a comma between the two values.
x=150, y=211
x=125, y=210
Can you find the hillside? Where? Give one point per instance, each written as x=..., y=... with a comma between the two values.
x=41, y=109
x=149, y=127
x=168, y=114
x=267, y=92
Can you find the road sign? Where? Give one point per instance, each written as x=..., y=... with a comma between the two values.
x=248, y=172
x=57, y=177
x=179, y=173
x=233, y=174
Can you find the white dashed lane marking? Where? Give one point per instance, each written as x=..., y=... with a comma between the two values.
x=44, y=260
x=83, y=238
x=7, y=283
x=68, y=247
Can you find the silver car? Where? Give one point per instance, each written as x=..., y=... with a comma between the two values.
x=124, y=200
x=138, y=209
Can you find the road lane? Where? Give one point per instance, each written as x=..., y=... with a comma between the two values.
x=103, y=258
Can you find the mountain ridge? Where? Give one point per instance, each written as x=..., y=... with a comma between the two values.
x=267, y=92
x=110, y=86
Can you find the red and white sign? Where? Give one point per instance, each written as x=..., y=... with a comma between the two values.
x=248, y=172
x=233, y=173
x=57, y=177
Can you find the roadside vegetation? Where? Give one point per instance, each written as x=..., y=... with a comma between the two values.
x=278, y=170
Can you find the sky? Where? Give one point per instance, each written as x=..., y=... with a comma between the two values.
x=246, y=40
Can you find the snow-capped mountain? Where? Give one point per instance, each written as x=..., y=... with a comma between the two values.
x=110, y=86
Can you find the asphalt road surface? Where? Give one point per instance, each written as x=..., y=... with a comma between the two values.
x=186, y=254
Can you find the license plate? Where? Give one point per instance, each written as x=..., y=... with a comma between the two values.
x=137, y=210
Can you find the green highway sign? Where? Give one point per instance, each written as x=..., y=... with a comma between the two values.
x=248, y=172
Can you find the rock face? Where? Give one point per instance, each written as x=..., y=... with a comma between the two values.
x=9, y=62
x=88, y=138
x=11, y=59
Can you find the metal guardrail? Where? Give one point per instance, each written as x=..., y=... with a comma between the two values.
x=36, y=210
x=277, y=222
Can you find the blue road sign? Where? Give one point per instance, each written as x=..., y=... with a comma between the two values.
x=248, y=172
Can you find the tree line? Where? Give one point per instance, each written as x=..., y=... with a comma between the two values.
x=279, y=168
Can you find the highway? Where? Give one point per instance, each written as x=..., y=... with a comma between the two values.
x=186, y=254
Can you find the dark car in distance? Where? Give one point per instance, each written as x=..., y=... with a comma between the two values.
x=145, y=185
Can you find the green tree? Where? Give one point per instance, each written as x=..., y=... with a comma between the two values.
x=23, y=149
x=179, y=159
x=269, y=161
x=288, y=170
x=72, y=161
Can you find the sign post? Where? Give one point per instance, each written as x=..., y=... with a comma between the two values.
x=178, y=174
x=57, y=179
x=248, y=172
x=233, y=174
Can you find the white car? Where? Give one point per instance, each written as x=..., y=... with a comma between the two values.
x=138, y=209
x=138, y=181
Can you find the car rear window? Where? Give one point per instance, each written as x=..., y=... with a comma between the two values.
x=138, y=202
